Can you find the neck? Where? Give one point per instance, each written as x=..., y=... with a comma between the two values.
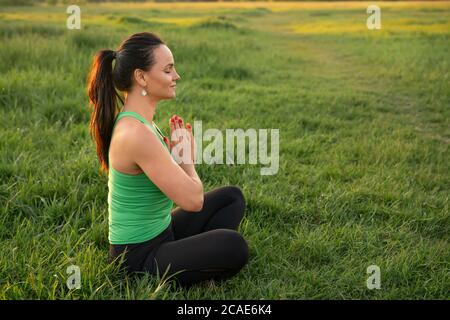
x=143, y=105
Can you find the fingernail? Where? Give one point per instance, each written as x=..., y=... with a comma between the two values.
x=188, y=126
x=171, y=120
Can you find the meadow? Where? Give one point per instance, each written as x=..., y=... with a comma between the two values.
x=363, y=117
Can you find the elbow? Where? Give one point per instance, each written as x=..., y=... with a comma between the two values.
x=193, y=202
x=197, y=204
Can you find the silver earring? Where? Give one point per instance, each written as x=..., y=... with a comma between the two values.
x=143, y=93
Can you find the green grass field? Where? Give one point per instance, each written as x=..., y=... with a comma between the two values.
x=363, y=115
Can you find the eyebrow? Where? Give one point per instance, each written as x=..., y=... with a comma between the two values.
x=170, y=64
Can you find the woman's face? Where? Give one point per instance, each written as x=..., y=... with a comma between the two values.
x=162, y=77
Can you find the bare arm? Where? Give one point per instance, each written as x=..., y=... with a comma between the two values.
x=179, y=182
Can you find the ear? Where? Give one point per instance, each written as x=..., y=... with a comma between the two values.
x=140, y=78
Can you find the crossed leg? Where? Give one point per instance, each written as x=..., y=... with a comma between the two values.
x=206, y=244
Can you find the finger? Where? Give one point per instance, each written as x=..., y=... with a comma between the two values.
x=172, y=123
x=191, y=139
x=178, y=122
x=173, y=134
x=184, y=131
x=167, y=142
x=177, y=131
x=189, y=130
x=189, y=134
x=181, y=122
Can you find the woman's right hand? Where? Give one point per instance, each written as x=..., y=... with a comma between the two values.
x=177, y=136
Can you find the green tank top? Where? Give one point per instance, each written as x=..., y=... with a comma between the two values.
x=138, y=210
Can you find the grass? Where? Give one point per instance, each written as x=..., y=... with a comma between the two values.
x=364, y=146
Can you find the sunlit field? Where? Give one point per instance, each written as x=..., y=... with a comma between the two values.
x=364, y=123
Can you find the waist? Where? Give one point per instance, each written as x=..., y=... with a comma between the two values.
x=138, y=211
x=129, y=228
x=137, y=253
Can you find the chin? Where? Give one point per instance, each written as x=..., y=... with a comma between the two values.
x=169, y=97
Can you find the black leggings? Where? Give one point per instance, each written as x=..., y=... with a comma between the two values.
x=203, y=245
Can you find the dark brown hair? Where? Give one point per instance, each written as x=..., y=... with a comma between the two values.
x=136, y=52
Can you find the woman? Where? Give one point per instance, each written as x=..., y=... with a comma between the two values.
x=198, y=240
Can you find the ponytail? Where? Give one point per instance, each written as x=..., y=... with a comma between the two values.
x=135, y=52
x=103, y=99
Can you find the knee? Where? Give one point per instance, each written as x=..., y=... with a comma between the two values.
x=236, y=247
x=237, y=194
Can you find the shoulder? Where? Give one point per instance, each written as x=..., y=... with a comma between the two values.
x=134, y=136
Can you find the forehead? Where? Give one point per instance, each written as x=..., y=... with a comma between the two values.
x=163, y=55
